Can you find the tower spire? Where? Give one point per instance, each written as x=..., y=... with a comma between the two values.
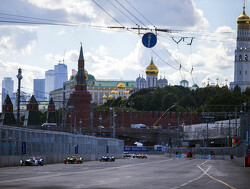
x=81, y=53
x=244, y=6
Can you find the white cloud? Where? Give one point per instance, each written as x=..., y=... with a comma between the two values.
x=17, y=39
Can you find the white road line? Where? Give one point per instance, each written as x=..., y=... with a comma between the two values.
x=52, y=175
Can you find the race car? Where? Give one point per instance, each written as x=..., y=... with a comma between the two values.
x=126, y=154
x=107, y=158
x=141, y=156
x=73, y=160
x=32, y=161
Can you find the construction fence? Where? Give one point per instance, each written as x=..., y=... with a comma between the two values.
x=19, y=143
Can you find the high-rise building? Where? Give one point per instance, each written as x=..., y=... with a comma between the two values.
x=242, y=52
x=7, y=87
x=49, y=83
x=60, y=75
x=39, y=89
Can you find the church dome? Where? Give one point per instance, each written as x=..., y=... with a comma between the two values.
x=126, y=92
x=164, y=80
x=110, y=97
x=116, y=92
x=89, y=77
x=152, y=69
x=104, y=97
x=121, y=86
x=142, y=80
x=138, y=79
x=243, y=19
x=113, y=92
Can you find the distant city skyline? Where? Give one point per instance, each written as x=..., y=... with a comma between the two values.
x=119, y=54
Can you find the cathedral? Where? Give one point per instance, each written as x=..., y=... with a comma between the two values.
x=151, y=80
x=242, y=51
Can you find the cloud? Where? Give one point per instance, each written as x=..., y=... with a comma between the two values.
x=17, y=39
x=177, y=14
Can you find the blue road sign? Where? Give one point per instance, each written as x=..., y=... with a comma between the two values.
x=23, y=147
x=149, y=40
x=76, y=149
x=107, y=149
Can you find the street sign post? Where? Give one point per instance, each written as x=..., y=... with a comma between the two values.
x=149, y=40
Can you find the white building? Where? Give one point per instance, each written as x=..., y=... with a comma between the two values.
x=39, y=89
x=60, y=75
x=7, y=87
x=242, y=52
x=49, y=82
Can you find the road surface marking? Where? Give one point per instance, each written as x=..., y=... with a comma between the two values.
x=213, y=177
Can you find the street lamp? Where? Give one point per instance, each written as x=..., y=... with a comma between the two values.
x=19, y=77
x=100, y=126
x=80, y=126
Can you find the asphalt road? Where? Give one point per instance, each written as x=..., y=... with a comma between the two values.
x=155, y=172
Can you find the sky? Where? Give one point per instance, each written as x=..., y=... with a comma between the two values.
x=119, y=54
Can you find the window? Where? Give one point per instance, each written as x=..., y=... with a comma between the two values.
x=246, y=58
x=245, y=72
x=240, y=72
x=240, y=58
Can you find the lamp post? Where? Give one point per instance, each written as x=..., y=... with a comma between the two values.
x=80, y=126
x=91, y=118
x=100, y=126
x=131, y=103
x=19, y=77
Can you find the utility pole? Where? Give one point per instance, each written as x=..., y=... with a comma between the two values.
x=110, y=117
x=19, y=77
x=114, y=122
x=63, y=110
x=91, y=117
x=75, y=126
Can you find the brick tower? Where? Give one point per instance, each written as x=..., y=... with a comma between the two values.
x=7, y=117
x=80, y=99
x=32, y=116
x=51, y=114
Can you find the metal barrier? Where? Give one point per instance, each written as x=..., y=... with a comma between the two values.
x=21, y=142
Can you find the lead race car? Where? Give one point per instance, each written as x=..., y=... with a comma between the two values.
x=73, y=160
x=32, y=161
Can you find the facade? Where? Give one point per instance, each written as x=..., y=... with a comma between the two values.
x=242, y=52
x=7, y=88
x=39, y=89
x=151, y=80
x=49, y=83
x=60, y=75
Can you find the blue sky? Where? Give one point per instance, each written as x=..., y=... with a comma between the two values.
x=119, y=54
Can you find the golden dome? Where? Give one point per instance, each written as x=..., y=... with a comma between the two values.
x=126, y=92
x=104, y=97
x=113, y=92
x=117, y=92
x=243, y=19
x=152, y=69
x=110, y=97
x=121, y=86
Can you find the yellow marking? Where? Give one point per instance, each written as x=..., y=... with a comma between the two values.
x=213, y=177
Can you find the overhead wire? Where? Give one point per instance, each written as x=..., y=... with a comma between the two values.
x=122, y=12
x=130, y=13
